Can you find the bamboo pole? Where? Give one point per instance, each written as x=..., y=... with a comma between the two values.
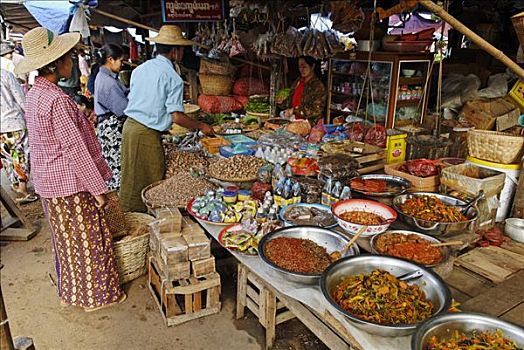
x=483, y=44
x=124, y=20
x=6, y=341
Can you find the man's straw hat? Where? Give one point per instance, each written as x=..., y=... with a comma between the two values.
x=42, y=46
x=171, y=35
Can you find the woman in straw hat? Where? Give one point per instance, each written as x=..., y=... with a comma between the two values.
x=155, y=102
x=70, y=175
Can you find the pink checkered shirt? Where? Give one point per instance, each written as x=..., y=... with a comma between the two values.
x=66, y=157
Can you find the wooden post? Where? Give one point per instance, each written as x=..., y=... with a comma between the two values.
x=483, y=44
x=123, y=20
x=6, y=341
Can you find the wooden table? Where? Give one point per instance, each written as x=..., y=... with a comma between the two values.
x=273, y=305
x=271, y=295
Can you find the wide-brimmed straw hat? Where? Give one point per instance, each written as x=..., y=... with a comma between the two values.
x=5, y=48
x=42, y=46
x=171, y=35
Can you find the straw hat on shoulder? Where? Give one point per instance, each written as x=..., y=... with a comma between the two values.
x=170, y=34
x=42, y=46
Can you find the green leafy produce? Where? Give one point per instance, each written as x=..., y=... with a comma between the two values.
x=216, y=118
x=283, y=94
x=251, y=120
x=257, y=107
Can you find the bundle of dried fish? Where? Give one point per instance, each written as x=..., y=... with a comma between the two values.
x=288, y=43
x=262, y=46
x=347, y=16
x=307, y=215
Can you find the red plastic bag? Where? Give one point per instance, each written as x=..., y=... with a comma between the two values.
x=218, y=104
x=242, y=100
x=376, y=135
x=259, y=189
x=317, y=132
x=420, y=168
x=249, y=86
x=355, y=131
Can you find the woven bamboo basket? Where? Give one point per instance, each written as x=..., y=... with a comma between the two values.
x=518, y=24
x=115, y=215
x=214, y=84
x=216, y=67
x=192, y=111
x=131, y=250
x=493, y=146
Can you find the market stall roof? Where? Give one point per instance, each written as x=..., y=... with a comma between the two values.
x=23, y=15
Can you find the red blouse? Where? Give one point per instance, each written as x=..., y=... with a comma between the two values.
x=297, y=94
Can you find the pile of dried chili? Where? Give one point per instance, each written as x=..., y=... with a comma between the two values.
x=412, y=247
x=297, y=255
x=381, y=298
x=431, y=209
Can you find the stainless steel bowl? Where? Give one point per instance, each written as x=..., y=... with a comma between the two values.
x=402, y=184
x=433, y=286
x=331, y=240
x=444, y=250
x=443, y=326
x=430, y=227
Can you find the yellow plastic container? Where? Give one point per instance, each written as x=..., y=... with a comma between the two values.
x=396, y=148
x=517, y=93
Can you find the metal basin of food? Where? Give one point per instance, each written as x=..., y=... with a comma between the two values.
x=443, y=250
x=284, y=211
x=331, y=240
x=430, y=227
x=466, y=322
x=433, y=286
x=399, y=185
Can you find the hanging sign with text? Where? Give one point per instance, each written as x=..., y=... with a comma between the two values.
x=192, y=10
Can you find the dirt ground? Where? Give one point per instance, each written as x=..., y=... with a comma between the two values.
x=34, y=310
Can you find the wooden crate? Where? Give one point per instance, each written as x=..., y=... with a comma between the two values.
x=418, y=184
x=186, y=299
x=369, y=157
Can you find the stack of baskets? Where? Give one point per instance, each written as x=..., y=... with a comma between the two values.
x=131, y=250
x=494, y=146
x=216, y=77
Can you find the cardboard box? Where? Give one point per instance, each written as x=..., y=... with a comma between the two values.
x=203, y=267
x=483, y=114
x=169, y=219
x=173, y=250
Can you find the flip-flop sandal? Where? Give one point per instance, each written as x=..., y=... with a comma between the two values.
x=122, y=298
x=29, y=198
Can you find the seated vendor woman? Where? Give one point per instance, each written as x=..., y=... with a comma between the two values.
x=308, y=95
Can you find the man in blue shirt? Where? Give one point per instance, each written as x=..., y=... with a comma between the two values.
x=155, y=102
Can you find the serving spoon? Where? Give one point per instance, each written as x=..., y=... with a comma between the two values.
x=465, y=207
x=337, y=255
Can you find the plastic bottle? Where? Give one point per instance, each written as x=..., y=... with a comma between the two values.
x=326, y=193
x=346, y=193
x=261, y=215
x=297, y=198
x=272, y=216
x=335, y=193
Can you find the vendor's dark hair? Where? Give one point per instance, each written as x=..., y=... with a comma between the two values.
x=311, y=61
x=109, y=50
x=162, y=49
x=82, y=100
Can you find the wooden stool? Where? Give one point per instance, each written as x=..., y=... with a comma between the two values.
x=257, y=297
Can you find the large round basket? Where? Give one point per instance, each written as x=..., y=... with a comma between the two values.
x=131, y=250
x=214, y=84
x=216, y=67
x=152, y=205
x=493, y=146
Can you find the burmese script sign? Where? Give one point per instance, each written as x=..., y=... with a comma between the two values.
x=192, y=10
